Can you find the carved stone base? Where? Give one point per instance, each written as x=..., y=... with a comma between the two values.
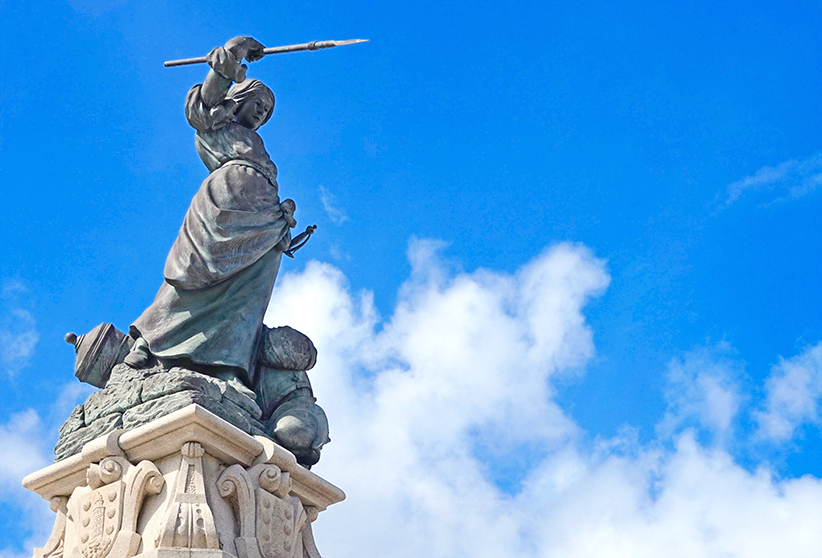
x=187, y=485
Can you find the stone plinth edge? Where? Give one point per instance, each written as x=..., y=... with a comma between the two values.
x=311, y=489
x=165, y=436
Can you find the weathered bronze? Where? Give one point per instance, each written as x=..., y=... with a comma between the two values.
x=299, y=241
x=207, y=317
x=221, y=269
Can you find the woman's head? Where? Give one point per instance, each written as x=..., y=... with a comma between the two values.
x=255, y=103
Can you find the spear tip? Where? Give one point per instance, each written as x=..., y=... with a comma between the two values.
x=350, y=42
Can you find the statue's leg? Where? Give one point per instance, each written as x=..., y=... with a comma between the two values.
x=139, y=355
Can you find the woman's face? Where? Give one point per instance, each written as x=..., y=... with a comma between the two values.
x=253, y=110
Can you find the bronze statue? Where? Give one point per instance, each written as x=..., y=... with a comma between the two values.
x=207, y=316
x=221, y=269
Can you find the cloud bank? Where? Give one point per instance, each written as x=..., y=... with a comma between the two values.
x=448, y=440
x=434, y=409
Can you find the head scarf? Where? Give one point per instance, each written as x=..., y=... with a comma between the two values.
x=248, y=88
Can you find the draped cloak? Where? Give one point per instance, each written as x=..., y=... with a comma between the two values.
x=220, y=272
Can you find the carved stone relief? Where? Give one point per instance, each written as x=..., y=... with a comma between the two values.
x=272, y=523
x=103, y=515
x=188, y=521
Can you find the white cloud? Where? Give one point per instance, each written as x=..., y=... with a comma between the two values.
x=21, y=439
x=686, y=502
x=334, y=212
x=18, y=331
x=22, y=449
x=26, y=445
x=793, y=391
x=425, y=404
x=703, y=391
x=789, y=180
x=463, y=354
x=463, y=364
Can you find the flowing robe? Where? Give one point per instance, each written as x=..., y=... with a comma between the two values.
x=220, y=272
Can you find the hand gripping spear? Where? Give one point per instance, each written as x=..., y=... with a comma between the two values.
x=313, y=45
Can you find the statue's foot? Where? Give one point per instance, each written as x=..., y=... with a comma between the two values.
x=297, y=435
x=299, y=431
x=139, y=355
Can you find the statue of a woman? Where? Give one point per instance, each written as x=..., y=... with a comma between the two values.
x=221, y=269
x=208, y=314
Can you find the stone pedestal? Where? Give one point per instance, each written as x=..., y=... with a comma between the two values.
x=187, y=485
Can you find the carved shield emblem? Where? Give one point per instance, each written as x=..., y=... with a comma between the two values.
x=101, y=513
x=279, y=525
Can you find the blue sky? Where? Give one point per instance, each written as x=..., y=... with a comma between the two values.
x=617, y=204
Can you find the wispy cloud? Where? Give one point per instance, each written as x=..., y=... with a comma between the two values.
x=786, y=181
x=703, y=392
x=24, y=452
x=793, y=393
x=338, y=254
x=332, y=209
x=18, y=331
x=26, y=440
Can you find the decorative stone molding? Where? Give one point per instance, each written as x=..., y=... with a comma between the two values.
x=187, y=484
x=104, y=513
x=189, y=522
x=272, y=523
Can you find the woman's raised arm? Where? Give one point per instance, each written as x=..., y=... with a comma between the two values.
x=206, y=107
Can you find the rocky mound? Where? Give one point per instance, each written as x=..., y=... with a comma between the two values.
x=132, y=398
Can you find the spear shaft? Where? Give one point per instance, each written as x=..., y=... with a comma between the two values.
x=313, y=45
